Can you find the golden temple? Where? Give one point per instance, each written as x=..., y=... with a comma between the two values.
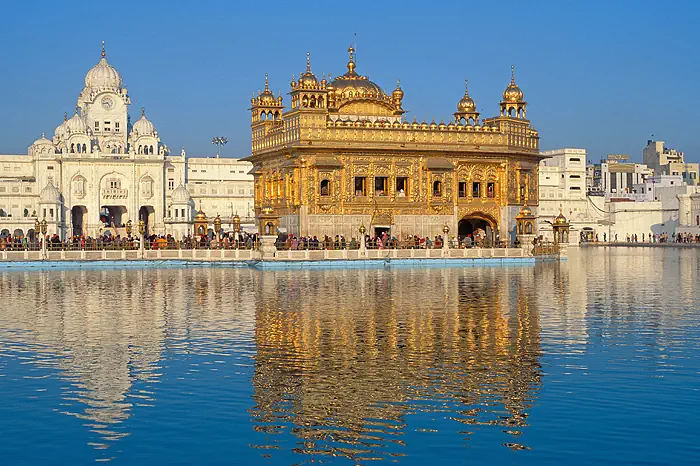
x=344, y=155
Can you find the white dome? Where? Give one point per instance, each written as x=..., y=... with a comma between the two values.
x=76, y=124
x=181, y=195
x=62, y=129
x=50, y=194
x=103, y=74
x=42, y=141
x=144, y=126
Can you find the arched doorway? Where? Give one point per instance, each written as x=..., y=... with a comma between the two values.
x=479, y=227
x=78, y=216
x=146, y=213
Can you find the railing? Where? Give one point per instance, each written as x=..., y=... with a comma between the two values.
x=115, y=193
x=20, y=246
x=128, y=245
x=330, y=244
x=546, y=249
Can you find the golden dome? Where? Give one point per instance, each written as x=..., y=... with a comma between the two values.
x=308, y=80
x=267, y=98
x=560, y=219
x=513, y=93
x=466, y=103
x=354, y=85
x=200, y=215
x=398, y=92
x=525, y=211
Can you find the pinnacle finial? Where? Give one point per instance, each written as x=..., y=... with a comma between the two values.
x=42, y=135
x=466, y=86
x=266, y=87
x=143, y=111
x=308, y=62
x=103, y=49
x=77, y=109
x=351, y=63
x=512, y=74
x=65, y=116
x=398, y=83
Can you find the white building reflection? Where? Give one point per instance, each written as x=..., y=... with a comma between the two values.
x=106, y=331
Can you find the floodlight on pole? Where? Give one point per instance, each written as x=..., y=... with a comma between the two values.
x=219, y=141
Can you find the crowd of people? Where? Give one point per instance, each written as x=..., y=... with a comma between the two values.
x=241, y=240
x=287, y=241
x=646, y=238
x=228, y=241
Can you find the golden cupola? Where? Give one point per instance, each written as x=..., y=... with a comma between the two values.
x=307, y=80
x=397, y=95
x=265, y=106
x=513, y=103
x=466, y=108
x=267, y=98
x=512, y=93
x=201, y=216
x=560, y=219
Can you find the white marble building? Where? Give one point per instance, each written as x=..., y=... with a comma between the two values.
x=98, y=171
x=562, y=182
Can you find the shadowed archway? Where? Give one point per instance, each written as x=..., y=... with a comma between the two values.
x=479, y=226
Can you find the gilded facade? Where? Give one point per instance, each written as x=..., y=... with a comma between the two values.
x=345, y=155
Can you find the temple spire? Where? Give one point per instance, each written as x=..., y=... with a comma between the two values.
x=104, y=54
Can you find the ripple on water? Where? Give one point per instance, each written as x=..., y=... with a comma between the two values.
x=540, y=364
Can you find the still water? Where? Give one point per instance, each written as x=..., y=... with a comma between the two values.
x=595, y=360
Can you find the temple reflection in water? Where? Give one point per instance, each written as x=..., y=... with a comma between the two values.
x=339, y=360
x=346, y=374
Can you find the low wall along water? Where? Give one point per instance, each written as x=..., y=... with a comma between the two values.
x=277, y=260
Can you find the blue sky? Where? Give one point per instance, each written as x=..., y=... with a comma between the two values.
x=604, y=76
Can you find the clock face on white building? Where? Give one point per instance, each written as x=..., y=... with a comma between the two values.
x=107, y=103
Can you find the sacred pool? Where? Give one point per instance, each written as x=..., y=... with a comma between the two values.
x=592, y=360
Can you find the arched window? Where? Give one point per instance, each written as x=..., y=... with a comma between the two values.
x=437, y=188
x=79, y=186
x=147, y=187
x=72, y=148
x=325, y=188
x=151, y=150
x=84, y=149
x=528, y=228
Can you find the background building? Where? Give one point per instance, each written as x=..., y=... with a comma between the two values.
x=99, y=171
x=618, y=175
x=667, y=161
x=220, y=186
x=562, y=182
